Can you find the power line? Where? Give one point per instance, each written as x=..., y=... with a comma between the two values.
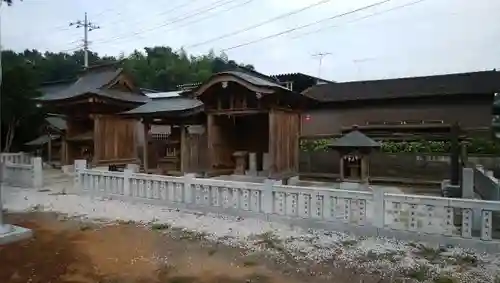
x=358, y=19
x=87, y=27
x=212, y=15
x=175, y=8
x=307, y=25
x=176, y=20
x=208, y=16
x=259, y=24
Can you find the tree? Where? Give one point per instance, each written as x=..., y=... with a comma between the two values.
x=18, y=91
x=160, y=68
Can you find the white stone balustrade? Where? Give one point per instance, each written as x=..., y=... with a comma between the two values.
x=29, y=175
x=16, y=158
x=436, y=219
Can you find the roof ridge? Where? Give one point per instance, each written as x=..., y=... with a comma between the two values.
x=424, y=76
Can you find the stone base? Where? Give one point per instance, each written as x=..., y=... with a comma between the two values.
x=11, y=233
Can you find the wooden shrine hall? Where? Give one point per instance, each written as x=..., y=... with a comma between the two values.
x=247, y=124
x=90, y=104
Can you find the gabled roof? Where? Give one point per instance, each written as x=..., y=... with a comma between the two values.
x=290, y=76
x=56, y=122
x=167, y=105
x=354, y=139
x=255, y=79
x=41, y=140
x=93, y=81
x=485, y=82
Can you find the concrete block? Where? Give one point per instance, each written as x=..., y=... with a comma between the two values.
x=11, y=233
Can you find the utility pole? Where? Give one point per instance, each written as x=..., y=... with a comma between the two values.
x=320, y=56
x=87, y=27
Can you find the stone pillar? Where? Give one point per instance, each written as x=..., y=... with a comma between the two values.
x=37, y=172
x=252, y=163
x=4, y=228
x=267, y=197
x=468, y=193
x=80, y=164
x=378, y=207
x=134, y=168
x=127, y=173
x=241, y=162
x=266, y=162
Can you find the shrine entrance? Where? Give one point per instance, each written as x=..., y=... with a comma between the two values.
x=253, y=124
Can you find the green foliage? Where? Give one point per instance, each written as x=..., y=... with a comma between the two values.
x=475, y=146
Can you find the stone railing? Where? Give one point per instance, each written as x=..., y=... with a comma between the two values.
x=485, y=184
x=29, y=175
x=17, y=158
x=463, y=222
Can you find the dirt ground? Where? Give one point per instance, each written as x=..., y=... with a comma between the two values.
x=64, y=250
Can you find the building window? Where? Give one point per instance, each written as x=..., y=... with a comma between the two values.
x=289, y=85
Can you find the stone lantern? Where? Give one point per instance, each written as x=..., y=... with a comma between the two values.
x=354, y=148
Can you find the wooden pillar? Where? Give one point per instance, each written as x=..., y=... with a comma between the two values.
x=97, y=141
x=273, y=167
x=64, y=150
x=183, y=149
x=49, y=149
x=364, y=168
x=145, y=147
x=210, y=140
x=342, y=177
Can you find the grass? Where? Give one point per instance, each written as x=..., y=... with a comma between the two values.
x=270, y=241
x=348, y=243
x=160, y=226
x=192, y=235
x=444, y=279
x=428, y=253
x=420, y=274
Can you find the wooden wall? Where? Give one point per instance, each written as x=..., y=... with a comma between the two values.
x=220, y=142
x=284, y=129
x=194, y=152
x=449, y=109
x=114, y=139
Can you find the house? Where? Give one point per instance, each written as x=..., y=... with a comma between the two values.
x=403, y=106
x=90, y=104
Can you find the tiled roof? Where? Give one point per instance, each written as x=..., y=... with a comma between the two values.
x=93, y=81
x=41, y=140
x=486, y=82
x=57, y=122
x=354, y=139
x=167, y=105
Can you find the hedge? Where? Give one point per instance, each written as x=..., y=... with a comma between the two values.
x=475, y=146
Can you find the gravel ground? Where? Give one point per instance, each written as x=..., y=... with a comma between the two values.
x=318, y=253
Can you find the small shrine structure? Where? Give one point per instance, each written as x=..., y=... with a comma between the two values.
x=354, y=148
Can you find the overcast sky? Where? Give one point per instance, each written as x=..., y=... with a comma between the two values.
x=429, y=37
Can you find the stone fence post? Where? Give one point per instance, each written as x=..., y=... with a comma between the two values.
x=127, y=173
x=80, y=165
x=378, y=207
x=37, y=172
x=188, y=194
x=268, y=196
